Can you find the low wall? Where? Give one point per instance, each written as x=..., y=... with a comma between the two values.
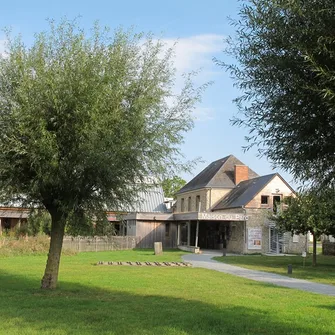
x=328, y=248
x=195, y=250
x=100, y=243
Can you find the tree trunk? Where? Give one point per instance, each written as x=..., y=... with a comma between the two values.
x=314, y=250
x=49, y=280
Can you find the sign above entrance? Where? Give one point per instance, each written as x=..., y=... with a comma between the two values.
x=222, y=217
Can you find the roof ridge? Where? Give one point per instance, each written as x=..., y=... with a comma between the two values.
x=225, y=159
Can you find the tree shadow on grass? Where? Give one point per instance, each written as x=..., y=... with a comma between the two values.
x=79, y=309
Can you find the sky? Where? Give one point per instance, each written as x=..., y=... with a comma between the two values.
x=199, y=27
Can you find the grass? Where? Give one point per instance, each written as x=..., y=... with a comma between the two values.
x=324, y=272
x=128, y=300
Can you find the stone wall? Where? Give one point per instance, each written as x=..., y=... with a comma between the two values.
x=258, y=219
x=209, y=197
x=237, y=238
x=328, y=248
x=295, y=244
x=193, y=194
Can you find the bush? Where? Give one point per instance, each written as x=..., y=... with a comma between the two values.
x=37, y=245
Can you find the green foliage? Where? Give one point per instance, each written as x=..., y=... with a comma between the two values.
x=84, y=226
x=172, y=185
x=309, y=212
x=87, y=117
x=14, y=246
x=285, y=51
x=38, y=222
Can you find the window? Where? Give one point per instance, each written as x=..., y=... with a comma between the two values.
x=182, y=205
x=264, y=199
x=197, y=203
x=167, y=229
x=295, y=238
x=276, y=203
x=189, y=204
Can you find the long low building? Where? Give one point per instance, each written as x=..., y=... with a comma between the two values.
x=11, y=217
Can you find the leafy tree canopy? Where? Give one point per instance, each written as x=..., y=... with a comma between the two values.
x=309, y=211
x=85, y=117
x=285, y=51
x=172, y=185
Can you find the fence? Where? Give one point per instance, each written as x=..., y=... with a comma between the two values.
x=100, y=243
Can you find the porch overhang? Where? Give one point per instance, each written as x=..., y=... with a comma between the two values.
x=14, y=213
x=149, y=216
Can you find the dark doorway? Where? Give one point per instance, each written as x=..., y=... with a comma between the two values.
x=213, y=234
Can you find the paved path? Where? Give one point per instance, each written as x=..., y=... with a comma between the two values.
x=205, y=260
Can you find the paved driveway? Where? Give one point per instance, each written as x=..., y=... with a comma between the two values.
x=205, y=260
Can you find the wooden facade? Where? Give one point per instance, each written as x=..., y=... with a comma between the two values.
x=152, y=231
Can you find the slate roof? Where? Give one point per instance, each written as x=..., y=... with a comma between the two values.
x=244, y=192
x=218, y=174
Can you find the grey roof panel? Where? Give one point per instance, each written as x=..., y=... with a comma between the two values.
x=148, y=201
x=244, y=192
x=218, y=174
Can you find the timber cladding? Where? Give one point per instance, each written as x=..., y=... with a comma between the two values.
x=150, y=232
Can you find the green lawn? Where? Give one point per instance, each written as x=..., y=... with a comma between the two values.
x=324, y=272
x=151, y=300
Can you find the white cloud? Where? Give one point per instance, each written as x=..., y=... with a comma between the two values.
x=203, y=114
x=195, y=52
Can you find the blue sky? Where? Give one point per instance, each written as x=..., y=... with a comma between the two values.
x=200, y=28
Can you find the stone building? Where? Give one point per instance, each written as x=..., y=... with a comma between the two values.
x=226, y=206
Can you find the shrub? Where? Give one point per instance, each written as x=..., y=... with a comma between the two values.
x=37, y=245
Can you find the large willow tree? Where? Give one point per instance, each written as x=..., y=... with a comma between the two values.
x=85, y=117
x=285, y=70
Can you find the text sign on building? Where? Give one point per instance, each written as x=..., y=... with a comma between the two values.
x=111, y=217
x=255, y=238
x=222, y=217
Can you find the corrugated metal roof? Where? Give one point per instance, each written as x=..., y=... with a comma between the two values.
x=219, y=174
x=244, y=192
x=151, y=200
x=12, y=213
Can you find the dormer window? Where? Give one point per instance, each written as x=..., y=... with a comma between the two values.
x=264, y=199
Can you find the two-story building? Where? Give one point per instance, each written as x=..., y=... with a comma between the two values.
x=227, y=206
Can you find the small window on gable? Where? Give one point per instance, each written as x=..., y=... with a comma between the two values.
x=264, y=199
x=197, y=203
x=182, y=205
x=189, y=204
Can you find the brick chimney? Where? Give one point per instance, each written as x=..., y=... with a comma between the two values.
x=241, y=173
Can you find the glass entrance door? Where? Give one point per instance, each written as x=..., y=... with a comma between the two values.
x=276, y=241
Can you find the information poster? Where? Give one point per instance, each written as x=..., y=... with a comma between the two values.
x=255, y=238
